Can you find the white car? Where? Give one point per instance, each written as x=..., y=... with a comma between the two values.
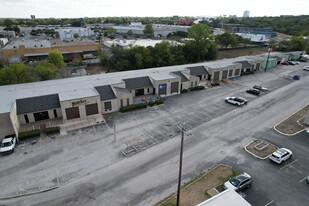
x=306, y=68
x=281, y=155
x=236, y=101
x=8, y=144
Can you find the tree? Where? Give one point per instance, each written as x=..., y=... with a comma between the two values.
x=77, y=62
x=8, y=23
x=130, y=33
x=202, y=36
x=148, y=30
x=55, y=57
x=297, y=43
x=45, y=70
x=76, y=35
x=16, y=73
x=227, y=39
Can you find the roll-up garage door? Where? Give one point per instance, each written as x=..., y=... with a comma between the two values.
x=174, y=87
x=224, y=74
x=231, y=72
x=92, y=109
x=72, y=112
x=237, y=72
x=216, y=76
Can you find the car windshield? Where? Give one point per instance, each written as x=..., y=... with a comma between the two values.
x=6, y=144
x=275, y=156
x=234, y=182
x=239, y=100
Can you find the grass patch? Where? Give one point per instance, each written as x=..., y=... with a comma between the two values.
x=52, y=130
x=195, y=191
x=232, y=53
x=196, y=88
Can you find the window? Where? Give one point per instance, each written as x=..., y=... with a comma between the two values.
x=128, y=101
x=108, y=106
x=195, y=83
x=55, y=113
x=191, y=84
x=26, y=118
x=148, y=90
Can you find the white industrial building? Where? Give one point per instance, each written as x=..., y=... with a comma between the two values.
x=68, y=33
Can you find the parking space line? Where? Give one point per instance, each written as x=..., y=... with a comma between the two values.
x=288, y=164
x=302, y=180
x=269, y=203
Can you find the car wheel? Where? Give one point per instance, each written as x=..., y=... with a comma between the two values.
x=226, y=101
x=237, y=105
x=249, y=186
x=12, y=150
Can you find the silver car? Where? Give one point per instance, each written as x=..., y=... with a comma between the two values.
x=239, y=182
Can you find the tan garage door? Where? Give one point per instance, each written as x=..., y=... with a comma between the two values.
x=174, y=87
x=216, y=76
x=224, y=74
x=237, y=72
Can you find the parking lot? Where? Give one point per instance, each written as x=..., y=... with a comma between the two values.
x=219, y=133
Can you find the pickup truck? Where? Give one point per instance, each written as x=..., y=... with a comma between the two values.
x=236, y=101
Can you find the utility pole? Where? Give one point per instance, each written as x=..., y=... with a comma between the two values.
x=180, y=168
x=269, y=50
x=183, y=130
x=115, y=139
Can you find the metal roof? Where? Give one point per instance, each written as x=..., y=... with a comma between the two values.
x=181, y=75
x=106, y=92
x=197, y=70
x=245, y=64
x=77, y=93
x=137, y=83
x=39, y=103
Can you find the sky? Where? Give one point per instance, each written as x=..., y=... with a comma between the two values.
x=143, y=8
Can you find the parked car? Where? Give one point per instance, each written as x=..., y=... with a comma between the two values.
x=235, y=101
x=253, y=91
x=281, y=155
x=264, y=89
x=306, y=68
x=291, y=63
x=302, y=60
x=285, y=63
x=239, y=182
x=296, y=77
x=8, y=144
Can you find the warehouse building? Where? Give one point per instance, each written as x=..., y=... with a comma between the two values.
x=68, y=103
x=32, y=50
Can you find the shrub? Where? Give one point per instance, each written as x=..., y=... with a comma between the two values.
x=197, y=88
x=184, y=91
x=28, y=134
x=133, y=107
x=151, y=103
x=52, y=130
x=214, y=84
x=159, y=101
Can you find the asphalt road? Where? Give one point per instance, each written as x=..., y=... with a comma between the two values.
x=93, y=171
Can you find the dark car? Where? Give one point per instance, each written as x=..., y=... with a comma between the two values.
x=253, y=91
x=302, y=60
x=285, y=63
x=291, y=63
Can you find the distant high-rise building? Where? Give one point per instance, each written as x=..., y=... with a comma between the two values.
x=246, y=14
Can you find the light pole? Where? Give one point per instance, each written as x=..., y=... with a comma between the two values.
x=269, y=50
x=183, y=130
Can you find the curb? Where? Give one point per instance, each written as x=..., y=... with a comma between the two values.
x=261, y=158
x=29, y=193
x=286, y=119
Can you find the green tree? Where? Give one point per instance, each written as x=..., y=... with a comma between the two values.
x=130, y=33
x=297, y=43
x=103, y=57
x=202, y=36
x=45, y=70
x=148, y=30
x=16, y=73
x=77, y=62
x=8, y=23
x=226, y=39
x=56, y=58
x=76, y=35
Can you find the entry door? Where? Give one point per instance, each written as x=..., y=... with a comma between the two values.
x=41, y=116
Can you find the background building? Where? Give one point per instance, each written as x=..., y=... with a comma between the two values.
x=246, y=13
